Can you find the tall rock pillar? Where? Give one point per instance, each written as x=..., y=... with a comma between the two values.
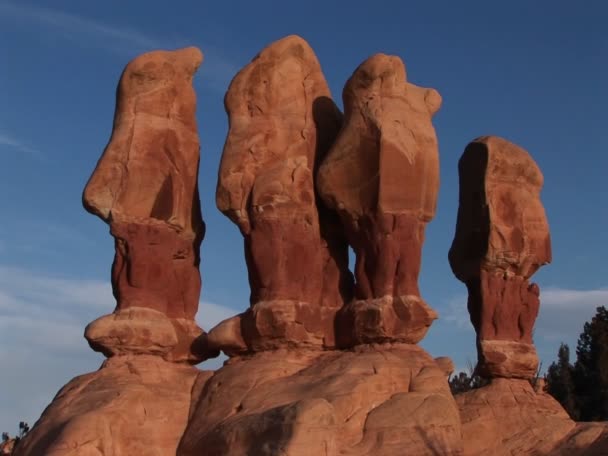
x=502, y=238
x=382, y=177
x=145, y=188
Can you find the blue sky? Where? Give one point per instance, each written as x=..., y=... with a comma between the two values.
x=532, y=72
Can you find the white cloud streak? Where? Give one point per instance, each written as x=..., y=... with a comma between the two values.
x=216, y=72
x=76, y=27
x=10, y=142
x=42, y=321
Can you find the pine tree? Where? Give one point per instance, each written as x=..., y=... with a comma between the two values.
x=560, y=382
x=591, y=368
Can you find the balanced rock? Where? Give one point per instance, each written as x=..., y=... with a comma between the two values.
x=145, y=188
x=502, y=238
x=282, y=122
x=382, y=176
x=385, y=400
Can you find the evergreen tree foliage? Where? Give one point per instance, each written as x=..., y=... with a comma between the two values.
x=591, y=368
x=560, y=381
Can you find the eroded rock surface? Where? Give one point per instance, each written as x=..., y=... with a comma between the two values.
x=145, y=188
x=282, y=121
x=134, y=405
x=382, y=176
x=502, y=238
x=509, y=417
x=382, y=400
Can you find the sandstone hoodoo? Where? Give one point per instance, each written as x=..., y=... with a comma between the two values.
x=145, y=188
x=284, y=395
x=282, y=122
x=382, y=177
x=319, y=363
x=502, y=238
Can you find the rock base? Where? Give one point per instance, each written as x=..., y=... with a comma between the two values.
x=400, y=319
x=375, y=399
x=139, y=330
x=133, y=405
x=506, y=359
x=508, y=417
x=273, y=325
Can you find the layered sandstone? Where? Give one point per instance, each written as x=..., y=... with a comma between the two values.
x=282, y=121
x=509, y=417
x=145, y=188
x=382, y=177
x=502, y=238
x=385, y=400
x=134, y=405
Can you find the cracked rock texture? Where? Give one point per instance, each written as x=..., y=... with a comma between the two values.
x=382, y=176
x=145, y=188
x=377, y=399
x=508, y=417
x=502, y=238
x=133, y=405
x=282, y=121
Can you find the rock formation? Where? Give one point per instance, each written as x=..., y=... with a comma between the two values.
x=387, y=400
x=508, y=417
x=298, y=400
x=313, y=368
x=282, y=121
x=382, y=176
x=134, y=405
x=502, y=238
x=145, y=188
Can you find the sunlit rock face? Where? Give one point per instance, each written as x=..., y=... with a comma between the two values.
x=382, y=177
x=502, y=238
x=145, y=188
x=282, y=122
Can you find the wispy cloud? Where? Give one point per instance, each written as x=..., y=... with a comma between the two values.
x=42, y=321
x=563, y=312
x=9, y=142
x=123, y=39
x=76, y=27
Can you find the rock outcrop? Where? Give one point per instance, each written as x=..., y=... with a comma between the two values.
x=134, y=405
x=282, y=122
x=508, y=417
x=385, y=400
x=318, y=364
x=382, y=177
x=145, y=187
x=502, y=238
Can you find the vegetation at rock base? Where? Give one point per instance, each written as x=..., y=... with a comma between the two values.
x=8, y=443
x=582, y=387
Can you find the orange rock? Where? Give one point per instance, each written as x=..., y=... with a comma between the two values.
x=382, y=176
x=145, y=188
x=282, y=121
x=502, y=238
x=380, y=399
x=133, y=405
x=509, y=417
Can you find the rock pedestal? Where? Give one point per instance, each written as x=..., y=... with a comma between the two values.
x=382, y=177
x=145, y=187
x=282, y=121
x=502, y=238
x=386, y=400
